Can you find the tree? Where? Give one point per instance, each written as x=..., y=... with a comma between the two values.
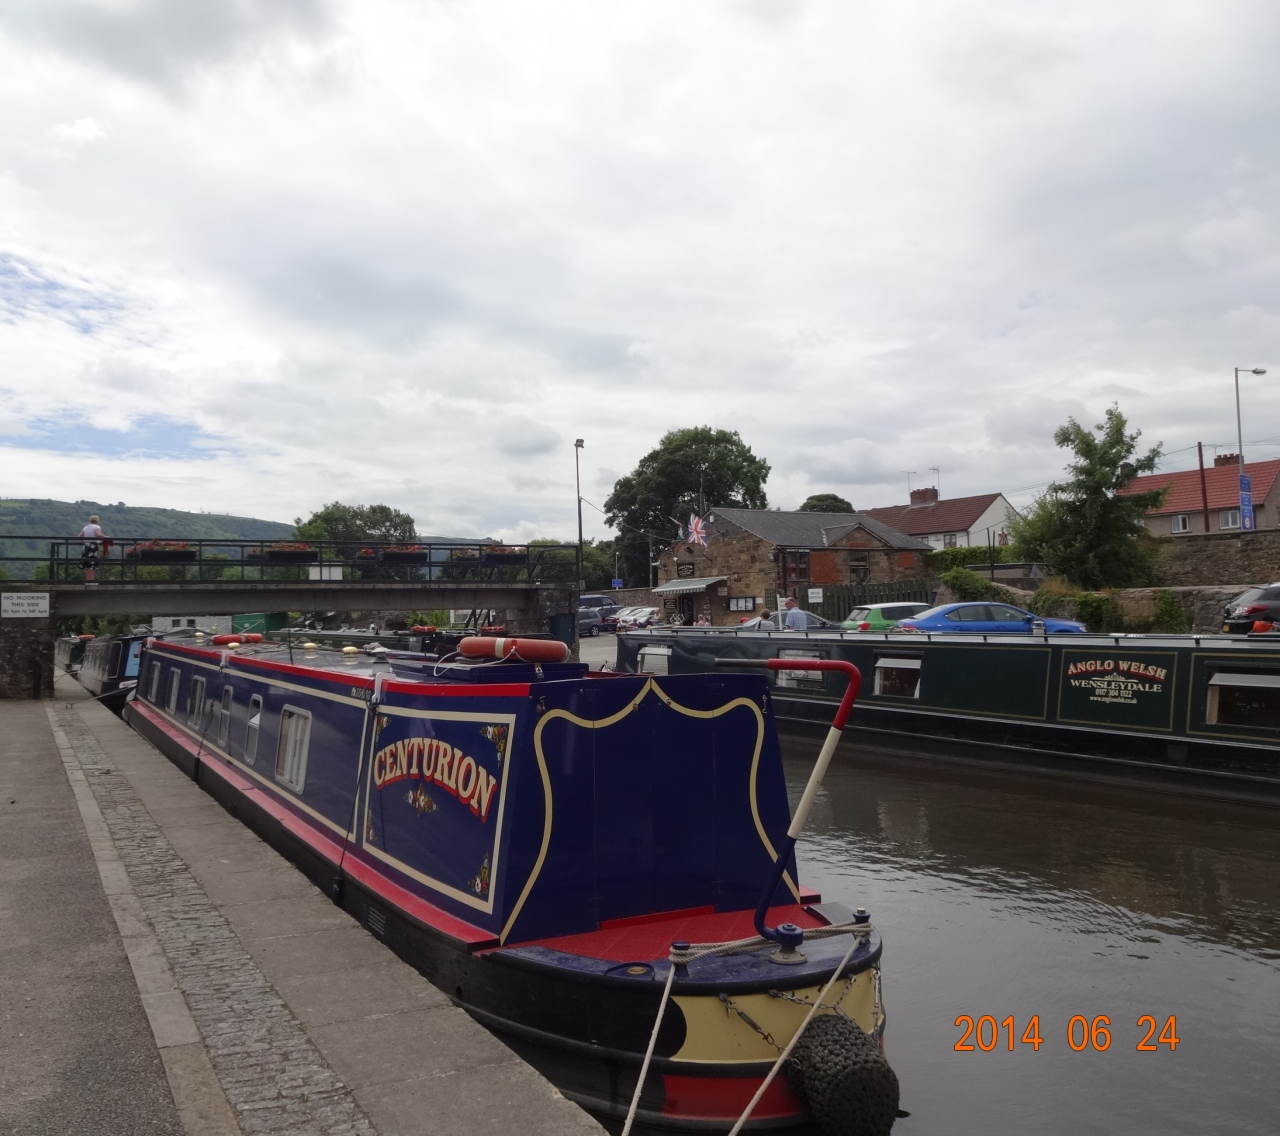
x=826, y=503
x=356, y=523
x=1085, y=528
x=597, y=564
x=691, y=469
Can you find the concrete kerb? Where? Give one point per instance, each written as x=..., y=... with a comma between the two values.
x=297, y=943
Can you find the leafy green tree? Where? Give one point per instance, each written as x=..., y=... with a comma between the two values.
x=356, y=523
x=597, y=564
x=1085, y=528
x=691, y=469
x=826, y=503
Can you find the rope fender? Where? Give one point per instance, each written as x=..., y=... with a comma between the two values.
x=841, y=1075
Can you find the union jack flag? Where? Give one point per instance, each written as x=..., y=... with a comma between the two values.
x=697, y=530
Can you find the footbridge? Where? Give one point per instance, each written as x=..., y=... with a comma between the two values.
x=531, y=588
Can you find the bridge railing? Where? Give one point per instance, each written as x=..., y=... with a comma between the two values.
x=123, y=561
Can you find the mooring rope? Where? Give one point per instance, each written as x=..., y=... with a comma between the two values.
x=782, y=1057
x=860, y=932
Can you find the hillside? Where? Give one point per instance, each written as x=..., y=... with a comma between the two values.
x=40, y=517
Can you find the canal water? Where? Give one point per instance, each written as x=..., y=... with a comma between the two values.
x=1001, y=895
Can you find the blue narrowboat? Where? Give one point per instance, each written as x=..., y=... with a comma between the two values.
x=109, y=668
x=534, y=838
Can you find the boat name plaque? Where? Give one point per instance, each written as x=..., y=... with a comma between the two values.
x=1122, y=688
x=24, y=605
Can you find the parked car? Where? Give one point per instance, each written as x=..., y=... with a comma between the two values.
x=1257, y=604
x=589, y=622
x=603, y=604
x=636, y=617
x=812, y=623
x=985, y=618
x=881, y=616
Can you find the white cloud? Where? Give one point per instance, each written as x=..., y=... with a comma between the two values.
x=77, y=133
x=405, y=252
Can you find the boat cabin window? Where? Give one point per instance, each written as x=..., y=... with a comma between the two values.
x=654, y=660
x=175, y=681
x=251, y=730
x=113, y=667
x=291, y=754
x=153, y=684
x=1244, y=699
x=898, y=677
x=224, y=716
x=800, y=680
x=195, y=701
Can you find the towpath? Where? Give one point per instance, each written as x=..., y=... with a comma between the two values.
x=163, y=971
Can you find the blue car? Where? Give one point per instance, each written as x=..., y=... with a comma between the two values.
x=983, y=618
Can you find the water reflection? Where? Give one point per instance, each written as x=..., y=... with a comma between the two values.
x=1001, y=893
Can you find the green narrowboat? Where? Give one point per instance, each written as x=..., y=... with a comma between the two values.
x=1200, y=707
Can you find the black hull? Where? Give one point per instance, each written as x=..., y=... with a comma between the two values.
x=585, y=1033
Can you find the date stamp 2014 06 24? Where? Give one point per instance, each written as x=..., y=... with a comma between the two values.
x=1082, y=1033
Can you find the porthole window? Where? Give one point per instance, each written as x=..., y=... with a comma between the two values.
x=195, y=701
x=224, y=716
x=291, y=753
x=252, y=729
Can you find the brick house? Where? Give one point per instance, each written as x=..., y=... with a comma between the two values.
x=754, y=555
x=956, y=522
x=1183, y=509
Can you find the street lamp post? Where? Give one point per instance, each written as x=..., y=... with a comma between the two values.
x=577, y=481
x=1246, y=488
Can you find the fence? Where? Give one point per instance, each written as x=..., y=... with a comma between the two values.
x=839, y=599
x=137, y=560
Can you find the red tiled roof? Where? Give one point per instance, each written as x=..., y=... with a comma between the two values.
x=955, y=515
x=1221, y=482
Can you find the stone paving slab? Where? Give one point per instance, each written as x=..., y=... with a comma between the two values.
x=76, y=1052
x=367, y=1040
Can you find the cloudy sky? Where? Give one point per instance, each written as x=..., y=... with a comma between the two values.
x=256, y=256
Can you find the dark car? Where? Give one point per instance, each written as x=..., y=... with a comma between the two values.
x=1260, y=604
x=812, y=623
x=589, y=622
x=986, y=619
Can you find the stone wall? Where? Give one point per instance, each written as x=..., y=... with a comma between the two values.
x=1207, y=559
x=26, y=658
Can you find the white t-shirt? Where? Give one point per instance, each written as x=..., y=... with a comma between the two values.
x=796, y=620
x=92, y=532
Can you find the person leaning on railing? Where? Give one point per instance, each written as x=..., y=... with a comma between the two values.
x=91, y=536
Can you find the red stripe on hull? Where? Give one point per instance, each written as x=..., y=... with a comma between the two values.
x=724, y=1098
x=354, y=867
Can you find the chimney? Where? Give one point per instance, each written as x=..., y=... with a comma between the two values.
x=927, y=496
x=1225, y=459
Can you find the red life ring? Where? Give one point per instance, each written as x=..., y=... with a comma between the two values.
x=529, y=650
x=423, y=629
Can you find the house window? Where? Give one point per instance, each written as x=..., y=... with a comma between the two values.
x=948, y=540
x=251, y=730
x=1181, y=523
x=175, y=681
x=224, y=716
x=195, y=701
x=153, y=683
x=291, y=753
x=1228, y=519
x=898, y=677
x=795, y=569
x=859, y=567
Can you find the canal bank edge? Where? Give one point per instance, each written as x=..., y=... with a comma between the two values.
x=352, y=1034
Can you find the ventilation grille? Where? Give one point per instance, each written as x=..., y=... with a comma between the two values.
x=376, y=920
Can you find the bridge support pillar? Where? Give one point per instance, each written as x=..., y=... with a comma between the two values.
x=26, y=658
